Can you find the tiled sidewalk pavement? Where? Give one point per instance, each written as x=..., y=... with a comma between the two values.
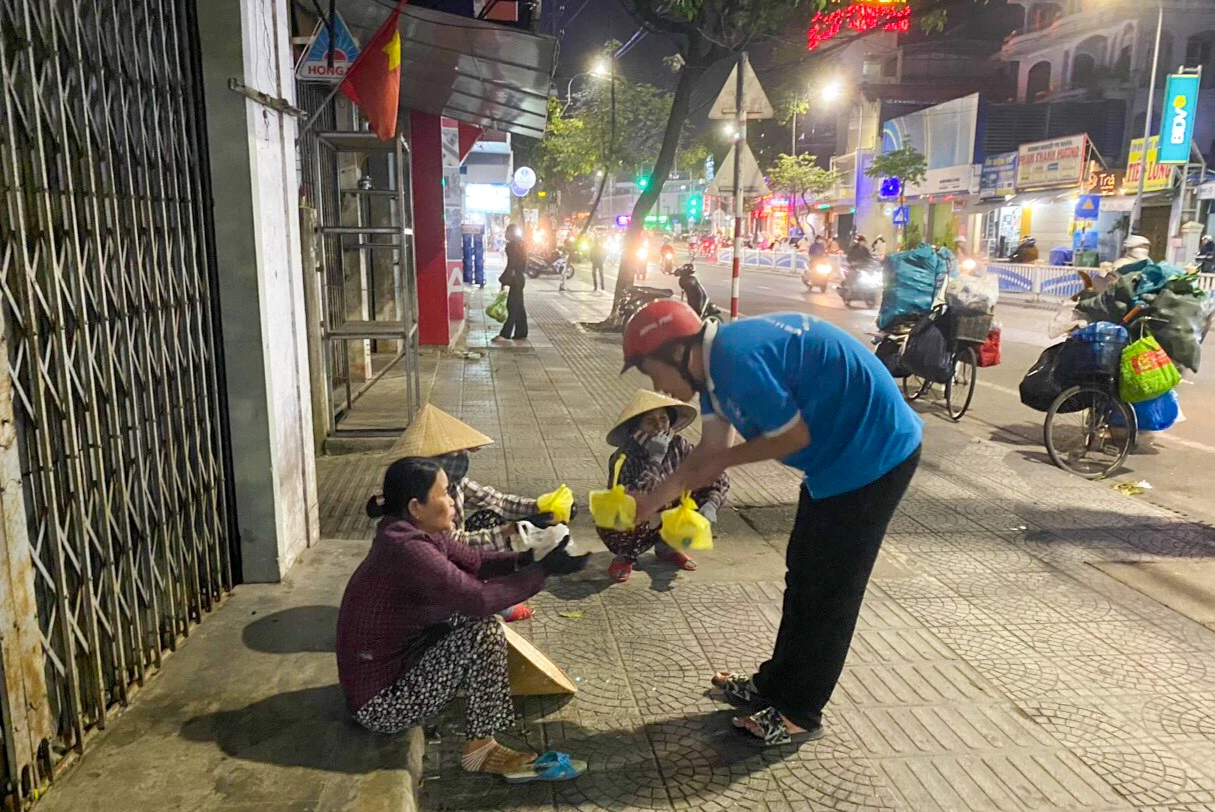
x=993, y=667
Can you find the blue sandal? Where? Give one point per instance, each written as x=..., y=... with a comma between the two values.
x=551, y=766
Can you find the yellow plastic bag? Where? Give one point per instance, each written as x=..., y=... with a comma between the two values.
x=558, y=502
x=684, y=528
x=614, y=509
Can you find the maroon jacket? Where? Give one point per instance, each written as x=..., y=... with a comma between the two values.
x=399, y=600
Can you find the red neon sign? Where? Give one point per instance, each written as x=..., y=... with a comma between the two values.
x=866, y=15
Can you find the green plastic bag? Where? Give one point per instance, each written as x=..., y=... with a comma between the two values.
x=497, y=308
x=1147, y=371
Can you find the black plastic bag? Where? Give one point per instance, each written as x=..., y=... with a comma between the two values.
x=928, y=354
x=890, y=352
x=1045, y=381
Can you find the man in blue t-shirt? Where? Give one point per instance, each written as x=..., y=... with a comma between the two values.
x=804, y=392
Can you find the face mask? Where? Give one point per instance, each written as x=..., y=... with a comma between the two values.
x=657, y=446
x=456, y=466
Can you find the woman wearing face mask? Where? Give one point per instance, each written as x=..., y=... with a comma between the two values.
x=448, y=441
x=647, y=436
x=416, y=625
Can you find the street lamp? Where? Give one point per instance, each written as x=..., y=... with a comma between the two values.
x=828, y=93
x=601, y=69
x=1137, y=208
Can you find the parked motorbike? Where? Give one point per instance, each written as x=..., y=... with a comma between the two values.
x=637, y=297
x=818, y=275
x=557, y=264
x=1026, y=252
x=863, y=283
x=696, y=295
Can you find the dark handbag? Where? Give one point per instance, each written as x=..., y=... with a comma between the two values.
x=928, y=354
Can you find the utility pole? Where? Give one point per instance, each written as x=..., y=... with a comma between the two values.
x=1137, y=208
x=741, y=114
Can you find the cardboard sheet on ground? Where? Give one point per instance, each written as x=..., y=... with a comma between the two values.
x=532, y=673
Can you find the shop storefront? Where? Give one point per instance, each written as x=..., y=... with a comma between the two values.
x=1050, y=177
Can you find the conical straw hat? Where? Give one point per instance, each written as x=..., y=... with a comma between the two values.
x=434, y=433
x=646, y=401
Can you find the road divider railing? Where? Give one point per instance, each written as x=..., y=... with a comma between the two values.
x=779, y=260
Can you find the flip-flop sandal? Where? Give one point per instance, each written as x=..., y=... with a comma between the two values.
x=551, y=766
x=620, y=571
x=520, y=611
x=738, y=690
x=775, y=731
x=675, y=557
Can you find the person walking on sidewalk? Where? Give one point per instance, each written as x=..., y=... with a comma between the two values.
x=647, y=436
x=598, y=258
x=496, y=522
x=416, y=624
x=513, y=279
x=805, y=392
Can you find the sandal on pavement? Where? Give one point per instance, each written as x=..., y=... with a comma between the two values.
x=520, y=611
x=774, y=729
x=551, y=766
x=620, y=570
x=496, y=759
x=738, y=690
x=672, y=556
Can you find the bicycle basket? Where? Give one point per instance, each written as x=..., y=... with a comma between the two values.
x=971, y=326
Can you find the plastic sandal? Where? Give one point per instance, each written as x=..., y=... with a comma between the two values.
x=620, y=570
x=673, y=556
x=520, y=611
x=775, y=731
x=551, y=766
x=738, y=690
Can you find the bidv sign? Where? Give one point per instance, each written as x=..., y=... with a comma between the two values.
x=1180, y=105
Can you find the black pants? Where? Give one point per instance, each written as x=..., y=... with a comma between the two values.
x=832, y=549
x=597, y=276
x=516, y=314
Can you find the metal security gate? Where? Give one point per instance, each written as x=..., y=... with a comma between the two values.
x=107, y=292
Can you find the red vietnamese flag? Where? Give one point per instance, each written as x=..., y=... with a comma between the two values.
x=374, y=80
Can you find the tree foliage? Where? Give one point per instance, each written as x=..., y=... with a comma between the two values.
x=801, y=180
x=905, y=163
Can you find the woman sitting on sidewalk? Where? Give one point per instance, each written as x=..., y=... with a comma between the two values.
x=495, y=526
x=417, y=624
x=646, y=435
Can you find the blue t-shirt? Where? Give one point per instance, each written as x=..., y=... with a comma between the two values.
x=764, y=372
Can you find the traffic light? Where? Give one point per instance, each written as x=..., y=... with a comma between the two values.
x=643, y=182
x=694, y=207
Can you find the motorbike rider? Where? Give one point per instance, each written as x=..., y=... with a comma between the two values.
x=818, y=248
x=859, y=257
x=1206, y=254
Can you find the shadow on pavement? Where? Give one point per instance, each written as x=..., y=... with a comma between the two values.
x=294, y=630
x=308, y=728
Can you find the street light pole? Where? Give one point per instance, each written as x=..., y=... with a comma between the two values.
x=1137, y=209
x=739, y=145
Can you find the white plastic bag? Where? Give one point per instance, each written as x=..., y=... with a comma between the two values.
x=1065, y=320
x=543, y=540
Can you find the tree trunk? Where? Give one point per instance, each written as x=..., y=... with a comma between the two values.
x=688, y=79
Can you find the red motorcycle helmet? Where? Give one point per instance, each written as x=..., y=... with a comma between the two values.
x=656, y=326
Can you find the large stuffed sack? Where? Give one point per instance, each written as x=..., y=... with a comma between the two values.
x=1179, y=329
x=911, y=281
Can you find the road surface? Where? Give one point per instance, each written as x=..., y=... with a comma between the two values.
x=1178, y=464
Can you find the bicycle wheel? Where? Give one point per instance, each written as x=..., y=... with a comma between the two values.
x=1088, y=431
x=960, y=388
x=914, y=386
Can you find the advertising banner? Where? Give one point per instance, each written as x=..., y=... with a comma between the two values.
x=1057, y=162
x=943, y=134
x=1180, y=106
x=1159, y=176
x=999, y=176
